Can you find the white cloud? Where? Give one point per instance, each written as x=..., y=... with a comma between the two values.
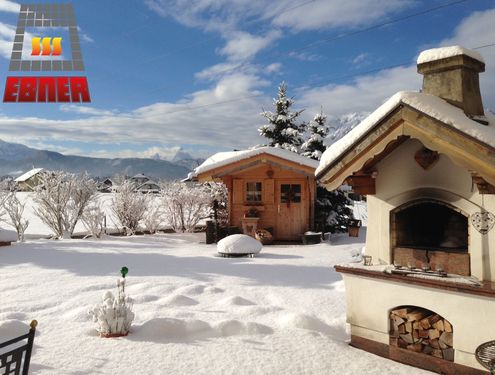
x=243, y=46
x=360, y=58
x=333, y=13
x=197, y=119
x=9, y=6
x=318, y=14
x=365, y=93
x=86, y=110
x=7, y=33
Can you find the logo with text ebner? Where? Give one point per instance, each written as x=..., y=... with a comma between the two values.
x=47, y=55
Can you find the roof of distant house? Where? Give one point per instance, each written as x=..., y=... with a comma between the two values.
x=139, y=175
x=26, y=176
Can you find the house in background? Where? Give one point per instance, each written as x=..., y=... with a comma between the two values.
x=29, y=180
x=426, y=162
x=267, y=188
x=149, y=186
x=105, y=186
x=139, y=179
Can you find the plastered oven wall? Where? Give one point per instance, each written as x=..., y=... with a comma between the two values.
x=400, y=179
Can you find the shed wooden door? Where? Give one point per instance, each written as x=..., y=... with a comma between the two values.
x=291, y=210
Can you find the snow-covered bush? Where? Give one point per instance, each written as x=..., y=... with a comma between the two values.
x=185, y=204
x=114, y=316
x=93, y=219
x=11, y=213
x=153, y=217
x=218, y=192
x=61, y=199
x=129, y=207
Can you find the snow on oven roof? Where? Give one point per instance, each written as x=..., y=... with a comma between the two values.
x=28, y=175
x=431, y=105
x=223, y=158
x=445, y=52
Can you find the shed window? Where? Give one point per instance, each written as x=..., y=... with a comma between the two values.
x=253, y=192
x=290, y=193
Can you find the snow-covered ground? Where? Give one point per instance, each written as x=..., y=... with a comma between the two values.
x=280, y=313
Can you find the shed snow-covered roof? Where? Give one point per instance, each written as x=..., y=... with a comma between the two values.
x=445, y=52
x=224, y=158
x=430, y=105
x=26, y=176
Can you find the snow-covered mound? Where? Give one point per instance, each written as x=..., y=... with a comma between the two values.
x=8, y=235
x=239, y=244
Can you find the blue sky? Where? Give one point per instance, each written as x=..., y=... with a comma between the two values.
x=196, y=73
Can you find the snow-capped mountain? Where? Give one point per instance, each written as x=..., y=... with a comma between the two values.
x=343, y=125
x=16, y=159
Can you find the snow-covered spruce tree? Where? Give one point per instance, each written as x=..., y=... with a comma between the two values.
x=318, y=130
x=283, y=129
x=93, y=219
x=332, y=210
x=185, y=204
x=13, y=210
x=61, y=199
x=129, y=207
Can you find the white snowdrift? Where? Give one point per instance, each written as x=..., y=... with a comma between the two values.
x=7, y=235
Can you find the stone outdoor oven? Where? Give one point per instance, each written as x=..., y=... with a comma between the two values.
x=426, y=161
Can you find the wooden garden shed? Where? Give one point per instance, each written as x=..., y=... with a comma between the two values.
x=268, y=188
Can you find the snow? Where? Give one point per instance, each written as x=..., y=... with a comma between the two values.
x=280, y=313
x=239, y=244
x=8, y=235
x=360, y=212
x=445, y=52
x=26, y=176
x=223, y=158
x=429, y=104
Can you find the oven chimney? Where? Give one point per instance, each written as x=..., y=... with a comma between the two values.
x=452, y=73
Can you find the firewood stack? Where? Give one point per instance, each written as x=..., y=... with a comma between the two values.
x=421, y=331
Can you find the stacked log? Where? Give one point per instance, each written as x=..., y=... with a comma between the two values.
x=421, y=331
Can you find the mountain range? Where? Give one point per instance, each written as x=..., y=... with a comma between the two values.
x=16, y=159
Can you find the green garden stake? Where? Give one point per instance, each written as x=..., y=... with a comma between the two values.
x=124, y=271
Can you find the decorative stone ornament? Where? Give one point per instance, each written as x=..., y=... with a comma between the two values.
x=483, y=221
x=426, y=158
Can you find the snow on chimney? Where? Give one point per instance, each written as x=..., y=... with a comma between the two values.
x=452, y=73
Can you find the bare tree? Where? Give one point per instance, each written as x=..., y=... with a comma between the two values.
x=93, y=219
x=13, y=209
x=129, y=207
x=61, y=199
x=185, y=204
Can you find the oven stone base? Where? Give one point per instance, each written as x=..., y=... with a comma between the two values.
x=371, y=296
x=408, y=357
